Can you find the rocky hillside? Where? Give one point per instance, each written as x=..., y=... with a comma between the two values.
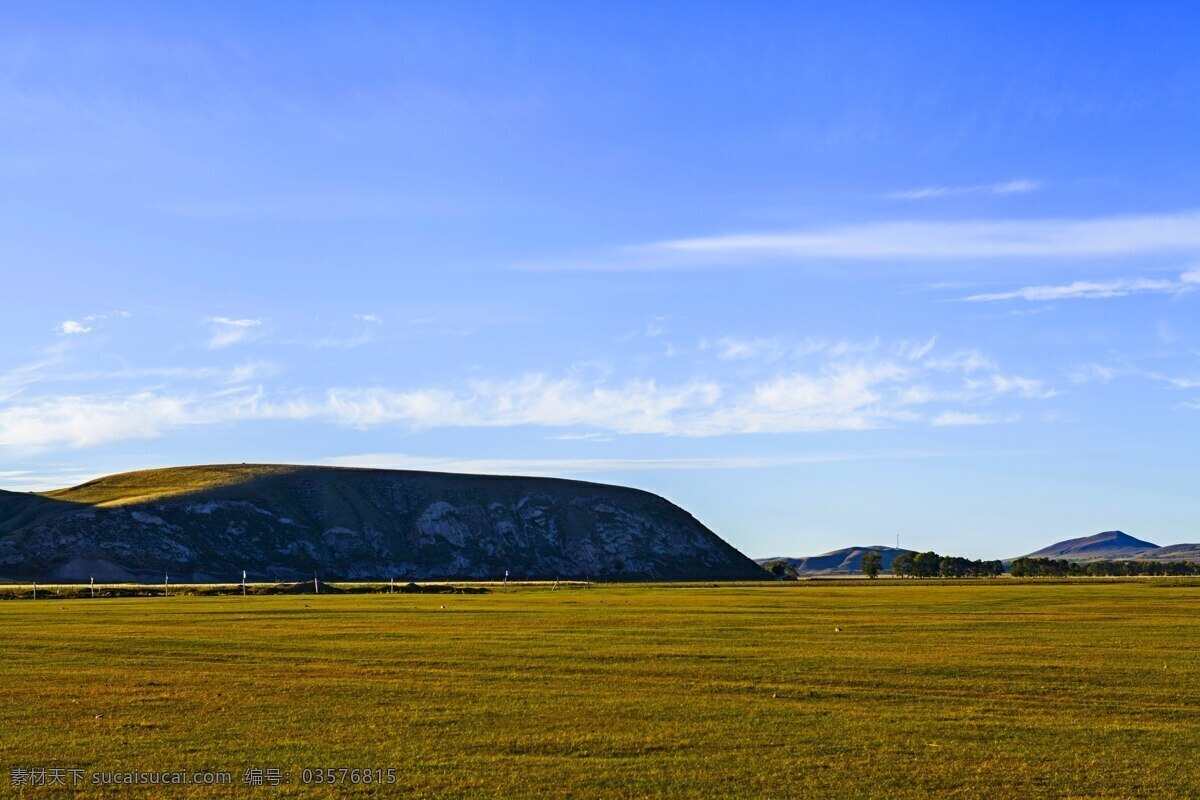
x=847, y=561
x=285, y=522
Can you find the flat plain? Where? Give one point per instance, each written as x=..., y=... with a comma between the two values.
x=1000, y=688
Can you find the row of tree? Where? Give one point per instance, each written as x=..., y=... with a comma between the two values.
x=931, y=565
x=1061, y=568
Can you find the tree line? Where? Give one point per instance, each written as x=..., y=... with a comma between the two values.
x=932, y=565
x=1026, y=567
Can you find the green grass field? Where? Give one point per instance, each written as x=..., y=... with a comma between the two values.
x=989, y=689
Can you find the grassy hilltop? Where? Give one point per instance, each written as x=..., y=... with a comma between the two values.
x=286, y=522
x=963, y=690
x=150, y=485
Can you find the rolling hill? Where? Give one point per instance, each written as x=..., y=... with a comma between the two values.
x=286, y=522
x=1173, y=552
x=847, y=561
x=1109, y=545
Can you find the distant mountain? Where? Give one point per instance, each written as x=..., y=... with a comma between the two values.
x=846, y=561
x=285, y=522
x=1103, y=546
x=1173, y=552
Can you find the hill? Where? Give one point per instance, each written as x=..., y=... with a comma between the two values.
x=285, y=522
x=1173, y=552
x=1109, y=545
x=846, y=561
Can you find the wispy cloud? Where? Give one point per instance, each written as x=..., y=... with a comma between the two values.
x=1019, y=186
x=858, y=393
x=1091, y=290
x=954, y=418
x=81, y=421
x=1100, y=373
x=1094, y=373
x=769, y=349
x=51, y=371
x=43, y=480
x=226, y=331
x=1032, y=238
x=758, y=348
x=1179, y=382
x=374, y=319
x=1004, y=384
x=76, y=327
x=72, y=327
x=574, y=466
x=962, y=361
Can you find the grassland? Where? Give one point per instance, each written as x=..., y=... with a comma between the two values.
x=989, y=689
x=154, y=485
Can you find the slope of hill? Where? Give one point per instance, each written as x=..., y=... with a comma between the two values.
x=1173, y=552
x=1106, y=545
x=275, y=521
x=846, y=561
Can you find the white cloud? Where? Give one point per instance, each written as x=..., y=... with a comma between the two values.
x=242, y=373
x=40, y=374
x=962, y=361
x=1024, y=387
x=760, y=348
x=1032, y=238
x=72, y=327
x=1118, y=287
x=856, y=387
x=1093, y=373
x=228, y=331
x=572, y=466
x=952, y=418
x=1098, y=373
x=1176, y=381
x=1019, y=186
x=767, y=349
x=374, y=319
x=850, y=397
x=80, y=421
x=41, y=481
x=915, y=352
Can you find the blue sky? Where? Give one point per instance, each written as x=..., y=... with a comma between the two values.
x=823, y=275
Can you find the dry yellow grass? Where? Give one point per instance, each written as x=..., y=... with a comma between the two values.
x=965, y=690
x=158, y=484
